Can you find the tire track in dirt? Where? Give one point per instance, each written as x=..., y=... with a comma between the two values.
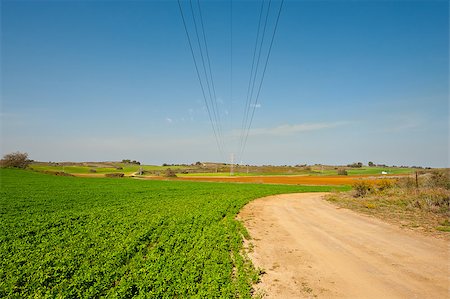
x=311, y=248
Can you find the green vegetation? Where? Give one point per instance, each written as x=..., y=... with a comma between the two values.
x=117, y=167
x=213, y=170
x=365, y=171
x=238, y=174
x=84, y=238
x=378, y=170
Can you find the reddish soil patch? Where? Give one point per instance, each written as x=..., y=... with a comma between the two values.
x=290, y=180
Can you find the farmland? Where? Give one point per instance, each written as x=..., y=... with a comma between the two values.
x=83, y=238
x=214, y=169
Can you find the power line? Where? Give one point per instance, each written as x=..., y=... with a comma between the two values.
x=253, y=80
x=210, y=71
x=262, y=77
x=247, y=101
x=256, y=78
x=231, y=64
x=199, y=78
x=213, y=100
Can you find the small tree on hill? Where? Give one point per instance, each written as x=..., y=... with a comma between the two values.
x=170, y=173
x=16, y=160
x=342, y=171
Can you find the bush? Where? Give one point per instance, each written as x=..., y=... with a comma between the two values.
x=170, y=173
x=435, y=200
x=57, y=173
x=440, y=179
x=356, y=165
x=92, y=170
x=342, y=172
x=15, y=160
x=407, y=183
x=114, y=175
x=384, y=184
x=362, y=188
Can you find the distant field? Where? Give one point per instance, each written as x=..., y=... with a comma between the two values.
x=186, y=171
x=356, y=171
x=238, y=174
x=126, y=168
x=369, y=171
x=90, y=238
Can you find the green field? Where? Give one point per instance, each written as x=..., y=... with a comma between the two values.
x=126, y=168
x=236, y=174
x=70, y=237
x=316, y=172
x=367, y=171
x=186, y=171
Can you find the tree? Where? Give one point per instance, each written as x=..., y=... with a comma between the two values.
x=16, y=160
x=342, y=172
x=371, y=164
x=170, y=173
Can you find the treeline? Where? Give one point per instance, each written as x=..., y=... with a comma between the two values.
x=128, y=161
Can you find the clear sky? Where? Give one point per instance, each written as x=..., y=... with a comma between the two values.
x=346, y=81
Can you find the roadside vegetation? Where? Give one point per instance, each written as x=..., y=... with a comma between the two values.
x=419, y=202
x=70, y=237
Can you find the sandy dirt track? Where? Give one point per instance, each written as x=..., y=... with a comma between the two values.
x=310, y=248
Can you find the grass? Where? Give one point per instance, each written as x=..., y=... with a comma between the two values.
x=83, y=238
x=378, y=170
x=126, y=168
x=222, y=171
x=425, y=208
x=365, y=171
x=314, y=172
x=238, y=174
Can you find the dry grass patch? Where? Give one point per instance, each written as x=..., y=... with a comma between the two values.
x=422, y=205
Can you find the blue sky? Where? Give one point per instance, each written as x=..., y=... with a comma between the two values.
x=107, y=80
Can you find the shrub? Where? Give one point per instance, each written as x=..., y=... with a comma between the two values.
x=439, y=179
x=15, y=160
x=170, y=173
x=114, y=175
x=362, y=188
x=434, y=200
x=384, y=184
x=342, y=172
x=356, y=165
x=92, y=170
x=408, y=183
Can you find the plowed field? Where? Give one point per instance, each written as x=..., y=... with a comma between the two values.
x=290, y=180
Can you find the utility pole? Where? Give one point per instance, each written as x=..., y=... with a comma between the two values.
x=232, y=165
x=417, y=180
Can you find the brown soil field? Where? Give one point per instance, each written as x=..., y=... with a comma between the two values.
x=278, y=179
x=289, y=179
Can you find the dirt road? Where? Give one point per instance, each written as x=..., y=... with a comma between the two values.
x=310, y=248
